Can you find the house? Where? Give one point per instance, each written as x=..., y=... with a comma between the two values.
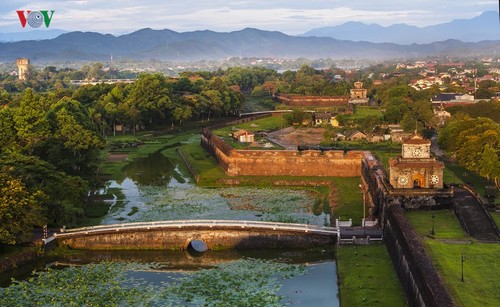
x=354, y=135
x=244, y=136
x=440, y=114
x=324, y=118
x=447, y=99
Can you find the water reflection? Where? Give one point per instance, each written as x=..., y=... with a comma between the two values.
x=155, y=170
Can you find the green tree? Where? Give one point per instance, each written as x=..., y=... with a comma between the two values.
x=150, y=93
x=20, y=209
x=419, y=116
x=8, y=133
x=475, y=143
x=30, y=122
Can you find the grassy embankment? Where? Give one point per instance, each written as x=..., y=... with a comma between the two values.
x=366, y=277
x=481, y=266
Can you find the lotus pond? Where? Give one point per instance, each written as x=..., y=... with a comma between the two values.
x=176, y=278
x=154, y=188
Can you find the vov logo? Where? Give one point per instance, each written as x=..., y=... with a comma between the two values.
x=35, y=18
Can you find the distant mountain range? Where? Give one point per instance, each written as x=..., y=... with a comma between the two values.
x=167, y=45
x=484, y=27
x=30, y=35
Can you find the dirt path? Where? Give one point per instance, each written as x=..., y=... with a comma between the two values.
x=292, y=137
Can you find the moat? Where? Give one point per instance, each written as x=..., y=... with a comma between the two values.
x=155, y=188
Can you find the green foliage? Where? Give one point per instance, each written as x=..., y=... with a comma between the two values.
x=66, y=194
x=20, y=209
x=246, y=282
x=475, y=142
x=490, y=109
x=297, y=118
x=419, y=116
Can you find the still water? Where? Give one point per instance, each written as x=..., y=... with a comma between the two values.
x=158, y=190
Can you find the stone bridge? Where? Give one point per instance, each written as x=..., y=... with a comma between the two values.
x=177, y=235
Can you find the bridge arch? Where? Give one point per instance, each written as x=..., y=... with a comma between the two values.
x=217, y=234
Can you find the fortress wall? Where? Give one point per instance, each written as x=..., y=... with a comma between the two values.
x=310, y=101
x=418, y=276
x=281, y=162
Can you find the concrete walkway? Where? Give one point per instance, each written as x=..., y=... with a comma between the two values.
x=473, y=217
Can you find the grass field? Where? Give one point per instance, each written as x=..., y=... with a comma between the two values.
x=481, y=266
x=264, y=124
x=364, y=111
x=349, y=199
x=258, y=103
x=367, y=278
x=463, y=175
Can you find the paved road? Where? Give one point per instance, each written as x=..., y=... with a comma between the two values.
x=475, y=219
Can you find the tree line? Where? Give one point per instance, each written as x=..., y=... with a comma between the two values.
x=52, y=143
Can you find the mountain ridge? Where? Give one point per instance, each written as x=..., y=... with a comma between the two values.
x=168, y=45
x=483, y=27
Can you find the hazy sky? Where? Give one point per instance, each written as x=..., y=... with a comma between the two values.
x=288, y=16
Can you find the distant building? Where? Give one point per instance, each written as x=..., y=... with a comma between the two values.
x=325, y=118
x=358, y=94
x=354, y=135
x=415, y=168
x=244, y=136
x=441, y=115
x=449, y=99
x=22, y=67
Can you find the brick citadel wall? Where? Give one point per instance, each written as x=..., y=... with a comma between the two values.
x=335, y=163
x=313, y=101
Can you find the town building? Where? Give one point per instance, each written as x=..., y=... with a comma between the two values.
x=325, y=118
x=415, y=168
x=244, y=136
x=358, y=94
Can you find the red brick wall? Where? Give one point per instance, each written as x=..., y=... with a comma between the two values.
x=309, y=101
x=283, y=162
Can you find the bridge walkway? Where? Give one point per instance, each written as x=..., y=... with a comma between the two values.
x=312, y=229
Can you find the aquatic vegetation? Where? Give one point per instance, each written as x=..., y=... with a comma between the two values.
x=235, y=203
x=246, y=282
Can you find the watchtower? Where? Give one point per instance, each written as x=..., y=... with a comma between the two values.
x=416, y=168
x=22, y=67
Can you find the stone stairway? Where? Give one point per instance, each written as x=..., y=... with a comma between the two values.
x=472, y=216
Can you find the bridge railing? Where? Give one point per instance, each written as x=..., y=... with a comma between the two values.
x=203, y=223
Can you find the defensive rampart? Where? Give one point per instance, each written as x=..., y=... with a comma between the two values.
x=313, y=101
x=335, y=163
x=419, y=278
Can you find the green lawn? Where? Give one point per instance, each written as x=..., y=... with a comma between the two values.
x=349, y=199
x=258, y=103
x=367, y=277
x=481, y=266
x=264, y=124
x=496, y=218
x=364, y=111
x=446, y=225
x=465, y=176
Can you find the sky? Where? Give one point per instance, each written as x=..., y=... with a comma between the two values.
x=287, y=16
